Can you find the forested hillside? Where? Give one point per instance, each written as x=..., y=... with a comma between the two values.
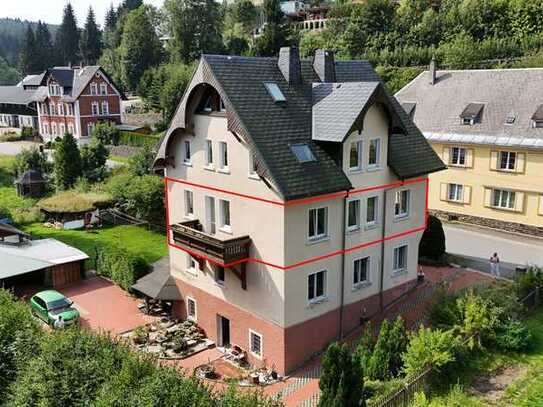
x=12, y=36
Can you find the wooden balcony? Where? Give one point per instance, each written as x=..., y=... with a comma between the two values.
x=190, y=234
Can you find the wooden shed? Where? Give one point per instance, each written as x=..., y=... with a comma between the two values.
x=31, y=184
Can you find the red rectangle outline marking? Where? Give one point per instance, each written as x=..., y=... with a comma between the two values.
x=312, y=259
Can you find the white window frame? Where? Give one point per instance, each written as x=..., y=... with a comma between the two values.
x=321, y=297
x=252, y=167
x=317, y=236
x=104, y=108
x=103, y=89
x=508, y=160
x=71, y=129
x=60, y=109
x=209, y=155
x=225, y=227
x=95, y=109
x=192, y=268
x=510, y=199
x=399, y=212
x=94, y=88
x=455, y=192
x=375, y=221
x=223, y=156
x=195, y=316
x=377, y=163
x=53, y=109
x=256, y=354
x=367, y=280
x=54, y=128
x=62, y=129
x=187, y=152
x=356, y=226
x=360, y=148
x=189, y=197
x=399, y=270
x=462, y=153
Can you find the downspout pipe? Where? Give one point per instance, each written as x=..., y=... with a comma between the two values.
x=342, y=271
x=383, y=242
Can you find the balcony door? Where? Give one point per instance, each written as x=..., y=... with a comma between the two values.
x=210, y=215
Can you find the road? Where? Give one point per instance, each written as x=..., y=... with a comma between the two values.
x=476, y=245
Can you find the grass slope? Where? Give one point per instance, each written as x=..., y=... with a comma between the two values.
x=134, y=239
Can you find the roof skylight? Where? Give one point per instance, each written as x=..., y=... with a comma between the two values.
x=275, y=92
x=510, y=119
x=302, y=153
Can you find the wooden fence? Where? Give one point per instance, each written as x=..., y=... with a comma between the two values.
x=116, y=217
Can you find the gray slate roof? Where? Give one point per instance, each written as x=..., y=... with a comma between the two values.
x=503, y=92
x=336, y=107
x=16, y=95
x=274, y=127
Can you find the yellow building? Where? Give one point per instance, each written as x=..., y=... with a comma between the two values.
x=487, y=126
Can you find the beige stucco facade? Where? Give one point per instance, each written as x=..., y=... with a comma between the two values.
x=277, y=291
x=481, y=176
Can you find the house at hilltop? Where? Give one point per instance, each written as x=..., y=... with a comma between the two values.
x=296, y=200
x=487, y=126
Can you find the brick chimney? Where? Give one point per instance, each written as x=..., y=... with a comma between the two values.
x=289, y=64
x=433, y=70
x=323, y=64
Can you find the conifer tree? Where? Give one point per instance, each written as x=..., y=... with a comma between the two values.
x=28, y=54
x=342, y=379
x=110, y=28
x=275, y=33
x=67, y=162
x=91, y=41
x=67, y=38
x=44, y=47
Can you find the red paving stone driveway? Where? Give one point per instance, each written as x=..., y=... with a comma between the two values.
x=105, y=306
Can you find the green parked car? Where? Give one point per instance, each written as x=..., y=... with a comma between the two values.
x=49, y=305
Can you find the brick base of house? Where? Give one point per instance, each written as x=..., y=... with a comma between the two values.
x=487, y=222
x=284, y=349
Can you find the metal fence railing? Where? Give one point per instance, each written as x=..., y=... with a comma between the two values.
x=404, y=396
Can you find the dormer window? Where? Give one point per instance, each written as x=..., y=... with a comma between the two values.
x=510, y=119
x=302, y=153
x=537, y=118
x=210, y=102
x=472, y=114
x=275, y=92
x=55, y=90
x=208, y=106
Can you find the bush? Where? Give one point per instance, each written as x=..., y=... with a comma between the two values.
x=527, y=282
x=514, y=336
x=93, y=160
x=128, y=138
x=26, y=216
x=107, y=133
x=142, y=197
x=121, y=267
x=31, y=159
x=140, y=163
x=432, y=244
x=10, y=137
x=427, y=347
x=18, y=333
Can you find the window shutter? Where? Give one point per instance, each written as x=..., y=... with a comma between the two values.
x=444, y=191
x=469, y=157
x=540, y=204
x=521, y=162
x=488, y=197
x=519, y=201
x=467, y=194
x=493, y=160
x=446, y=155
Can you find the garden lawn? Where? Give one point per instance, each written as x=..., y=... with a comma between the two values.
x=8, y=194
x=525, y=391
x=119, y=159
x=137, y=240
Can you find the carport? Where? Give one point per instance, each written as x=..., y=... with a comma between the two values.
x=45, y=262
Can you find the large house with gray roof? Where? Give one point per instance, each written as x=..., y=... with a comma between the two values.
x=62, y=100
x=487, y=126
x=296, y=200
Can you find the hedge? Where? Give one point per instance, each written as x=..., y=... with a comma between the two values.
x=138, y=140
x=122, y=267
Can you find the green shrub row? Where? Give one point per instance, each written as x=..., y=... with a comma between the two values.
x=10, y=137
x=137, y=140
x=120, y=266
x=77, y=367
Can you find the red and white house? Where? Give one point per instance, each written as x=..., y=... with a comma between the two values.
x=73, y=99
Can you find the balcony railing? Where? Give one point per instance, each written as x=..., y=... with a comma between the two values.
x=190, y=234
